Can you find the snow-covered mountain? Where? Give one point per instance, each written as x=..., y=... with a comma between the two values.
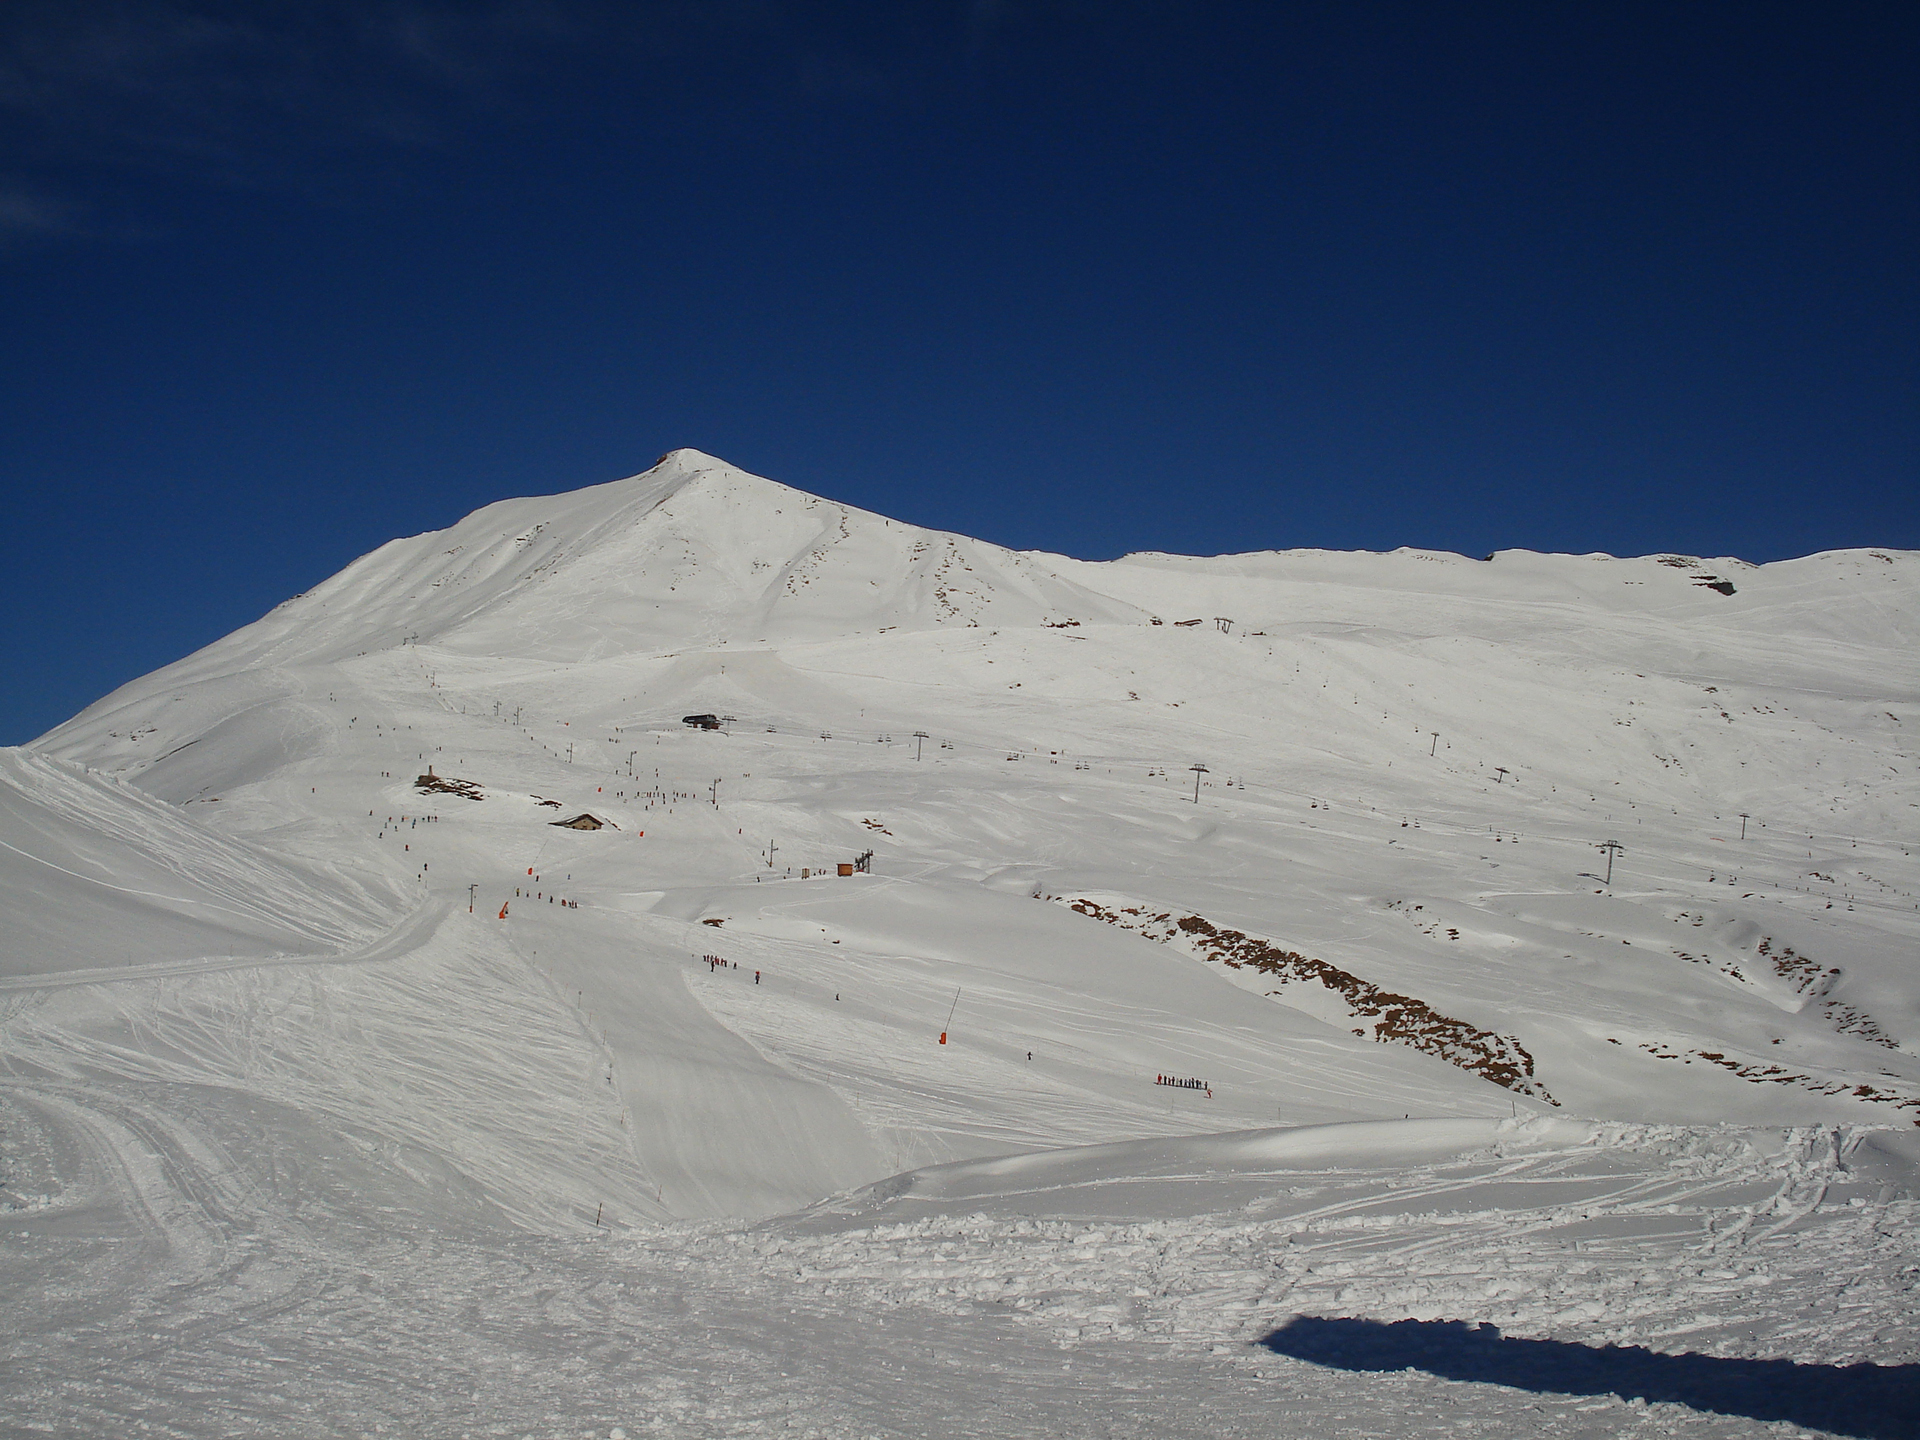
x=1320, y=831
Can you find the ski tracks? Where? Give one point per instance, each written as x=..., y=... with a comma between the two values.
x=1661, y=1237
x=231, y=1302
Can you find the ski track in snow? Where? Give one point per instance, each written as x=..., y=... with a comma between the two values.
x=300, y=1135
x=233, y=1274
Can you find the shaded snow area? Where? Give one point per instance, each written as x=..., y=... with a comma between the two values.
x=1343, y=1086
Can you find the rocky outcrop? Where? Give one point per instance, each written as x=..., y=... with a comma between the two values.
x=1383, y=1015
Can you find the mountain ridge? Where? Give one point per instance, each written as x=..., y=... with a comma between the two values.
x=619, y=552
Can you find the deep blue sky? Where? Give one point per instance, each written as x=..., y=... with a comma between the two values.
x=279, y=281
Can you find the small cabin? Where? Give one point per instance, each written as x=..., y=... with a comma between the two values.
x=701, y=722
x=582, y=821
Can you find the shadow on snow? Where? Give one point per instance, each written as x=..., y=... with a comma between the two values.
x=1872, y=1402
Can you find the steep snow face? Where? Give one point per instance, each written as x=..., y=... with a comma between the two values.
x=724, y=557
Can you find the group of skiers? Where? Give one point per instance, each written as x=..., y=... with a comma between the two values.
x=718, y=962
x=1185, y=1084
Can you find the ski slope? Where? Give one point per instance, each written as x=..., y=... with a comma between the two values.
x=295, y=1049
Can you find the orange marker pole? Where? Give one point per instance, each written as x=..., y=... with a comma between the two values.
x=950, y=1009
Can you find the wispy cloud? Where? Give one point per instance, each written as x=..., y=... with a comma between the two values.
x=307, y=96
x=231, y=93
x=25, y=215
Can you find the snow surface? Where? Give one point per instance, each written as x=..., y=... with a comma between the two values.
x=299, y=1135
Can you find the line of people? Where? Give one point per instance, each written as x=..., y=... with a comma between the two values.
x=1184, y=1083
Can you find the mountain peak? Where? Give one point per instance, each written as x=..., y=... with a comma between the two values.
x=693, y=550
x=686, y=457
